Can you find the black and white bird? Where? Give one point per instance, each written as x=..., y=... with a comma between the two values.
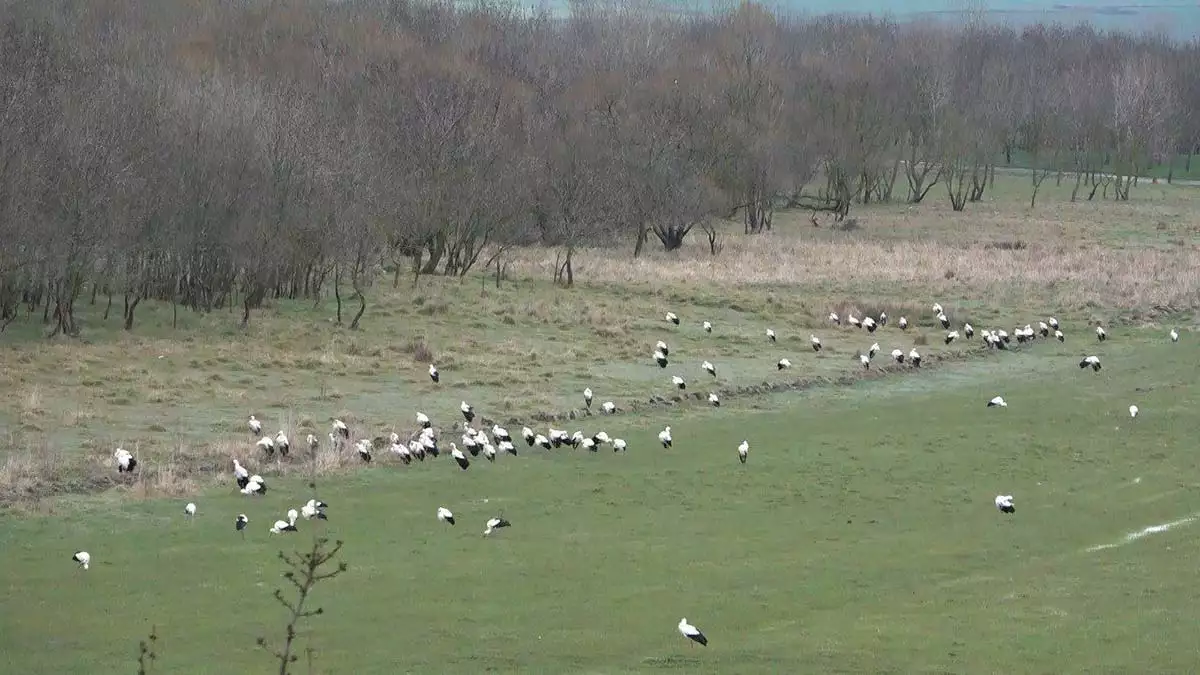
x=873, y=350
x=608, y=408
x=937, y=308
x=1101, y=334
x=267, y=445
x=1093, y=361
x=288, y=525
x=816, y=342
x=240, y=524
x=255, y=486
x=714, y=400
x=255, y=426
x=500, y=434
x=883, y=319
x=190, y=510
x=340, y=428
x=364, y=449
x=678, y=382
x=853, y=321
x=1174, y=335
x=902, y=323
x=834, y=318
x=459, y=457
x=783, y=363
x=743, y=450
x=433, y=374
x=864, y=360
x=709, y=368
x=914, y=357
x=869, y=324
x=240, y=474
x=664, y=437
x=495, y=524
x=662, y=347
x=282, y=444
x=673, y=318
x=1053, y=322
x=997, y=401
x=1043, y=329
x=770, y=335
x=707, y=327
x=951, y=336
x=1005, y=504
x=692, y=633
x=1058, y=335
x=944, y=319
x=314, y=508
x=660, y=357
x=445, y=515
x=83, y=558
x=125, y=460
x=423, y=420
x=587, y=398
x=468, y=412
x=1133, y=411
x=529, y=436
x=313, y=443
x=968, y=330
x=619, y=445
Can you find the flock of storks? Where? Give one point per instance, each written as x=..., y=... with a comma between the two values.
x=424, y=443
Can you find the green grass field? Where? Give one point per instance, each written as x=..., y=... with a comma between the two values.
x=860, y=537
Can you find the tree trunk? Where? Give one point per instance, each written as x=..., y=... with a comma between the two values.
x=337, y=291
x=129, y=309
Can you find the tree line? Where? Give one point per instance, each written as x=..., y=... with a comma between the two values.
x=215, y=154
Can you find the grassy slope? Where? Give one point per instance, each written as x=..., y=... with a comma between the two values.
x=860, y=538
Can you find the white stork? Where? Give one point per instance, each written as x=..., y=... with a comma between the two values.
x=587, y=398
x=468, y=412
x=1093, y=361
x=709, y=368
x=816, y=342
x=743, y=450
x=714, y=400
x=255, y=426
x=673, y=318
x=1005, y=504
x=664, y=437
x=692, y=633
x=126, y=462
x=433, y=374
x=783, y=363
x=445, y=515
x=678, y=382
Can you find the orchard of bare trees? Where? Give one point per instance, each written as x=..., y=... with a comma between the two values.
x=215, y=154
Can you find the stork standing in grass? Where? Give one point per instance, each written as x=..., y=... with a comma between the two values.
x=783, y=363
x=619, y=445
x=944, y=320
x=189, y=511
x=255, y=426
x=997, y=401
x=873, y=350
x=364, y=448
x=240, y=524
x=865, y=361
x=834, y=318
x=433, y=374
x=494, y=524
x=282, y=444
x=608, y=408
x=660, y=358
x=1174, y=335
x=951, y=336
x=692, y=633
x=587, y=398
x=914, y=357
x=743, y=450
x=816, y=342
x=902, y=323
x=83, y=558
x=1058, y=335
x=126, y=462
x=673, y=318
x=709, y=368
x=1101, y=334
x=313, y=443
x=340, y=428
x=423, y=420
x=968, y=330
x=240, y=474
x=445, y=515
x=662, y=347
x=678, y=382
x=1005, y=504
x=529, y=436
x=714, y=400
x=869, y=324
x=468, y=412
x=664, y=437
x=770, y=335
x=1093, y=361
x=1133, y=411
x=267, y=445
x=707, y=327
x=459, y=457
x=898, y=356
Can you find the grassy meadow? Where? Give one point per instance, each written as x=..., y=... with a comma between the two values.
x=859, y=537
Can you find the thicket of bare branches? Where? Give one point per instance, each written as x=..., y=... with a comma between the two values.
x=219, y=154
